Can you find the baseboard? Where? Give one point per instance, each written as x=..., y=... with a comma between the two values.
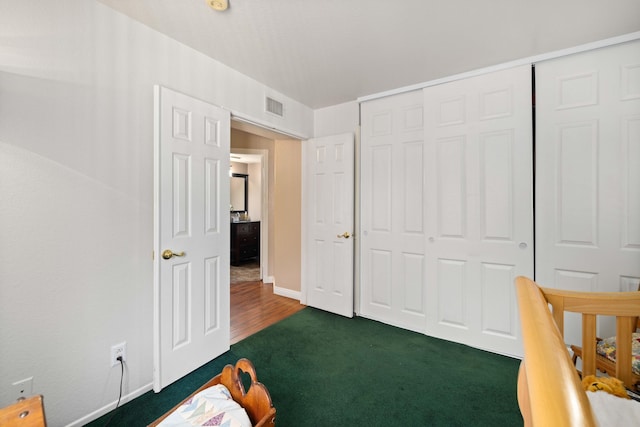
x=268, y=279
x=111, y=406
x=284, y=292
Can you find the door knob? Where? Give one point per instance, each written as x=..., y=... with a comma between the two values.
x=346, y=235
x=167, y=254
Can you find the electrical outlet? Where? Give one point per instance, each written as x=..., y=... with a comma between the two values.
x=23, y=388
x=118, y=350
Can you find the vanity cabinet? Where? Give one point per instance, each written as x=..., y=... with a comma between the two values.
x=245, y=241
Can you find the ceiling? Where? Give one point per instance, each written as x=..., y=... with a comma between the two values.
x=245, y=158
x=323, y=53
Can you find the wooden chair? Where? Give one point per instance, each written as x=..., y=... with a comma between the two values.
x=24, y=413
x=606, y=365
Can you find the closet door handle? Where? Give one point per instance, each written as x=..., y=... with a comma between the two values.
x=345, y=235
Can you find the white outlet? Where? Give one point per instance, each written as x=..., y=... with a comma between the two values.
x=118, y=350
x=23, y=388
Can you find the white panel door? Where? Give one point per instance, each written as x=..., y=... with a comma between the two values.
x=393, y=171
x=329, y=215
x=588, y=173
x=191, y=219
x=479, y=210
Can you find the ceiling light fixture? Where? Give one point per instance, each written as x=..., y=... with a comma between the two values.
x=218, y=4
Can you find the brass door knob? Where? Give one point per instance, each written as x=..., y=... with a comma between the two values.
x=168, y=254
x=345, y=235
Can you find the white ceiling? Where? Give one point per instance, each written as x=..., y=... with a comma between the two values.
x=245, y=158
x=323, y=53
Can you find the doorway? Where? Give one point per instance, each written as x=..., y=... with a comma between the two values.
x=253, y=150
x=249, y=213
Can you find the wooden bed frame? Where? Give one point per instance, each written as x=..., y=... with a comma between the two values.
x=550, y=391
x=256, y=401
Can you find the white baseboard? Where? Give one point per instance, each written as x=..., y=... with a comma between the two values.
x=284, y=292
x=268, y=279
x=111, y=406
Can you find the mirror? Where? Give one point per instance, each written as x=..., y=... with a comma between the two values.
x=239, y=185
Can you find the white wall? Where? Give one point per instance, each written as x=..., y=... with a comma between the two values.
x=255, y=191
x=76, y=193
x=341, y=118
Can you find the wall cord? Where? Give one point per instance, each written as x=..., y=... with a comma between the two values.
x=120, y=395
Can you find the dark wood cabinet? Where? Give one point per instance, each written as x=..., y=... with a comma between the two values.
x=245, y=241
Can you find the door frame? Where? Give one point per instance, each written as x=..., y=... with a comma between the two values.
x=264, y=208
x=244, y=123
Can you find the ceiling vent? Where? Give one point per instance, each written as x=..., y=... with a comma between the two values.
x=274, y=107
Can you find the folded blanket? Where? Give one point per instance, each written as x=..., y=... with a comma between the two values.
x=614, y=411
x=213, y=406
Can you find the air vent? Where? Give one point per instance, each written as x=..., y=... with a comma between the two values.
x=274, y=107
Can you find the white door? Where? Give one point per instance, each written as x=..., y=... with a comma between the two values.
x=191, y=219
x=328, y=198
x=478, y=133
x=588, y=172
x=392, y=241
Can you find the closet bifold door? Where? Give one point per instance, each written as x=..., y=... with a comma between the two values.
x=479, y=210
x=588, y=174
x=392, y=228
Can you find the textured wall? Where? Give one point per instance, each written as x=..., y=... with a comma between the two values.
x=76, y=194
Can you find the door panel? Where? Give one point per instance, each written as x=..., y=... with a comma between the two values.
x=588, y=179
x=479, y=209
x=447, y=216
x=191, y=288
x=329, y=207
x=393, y=211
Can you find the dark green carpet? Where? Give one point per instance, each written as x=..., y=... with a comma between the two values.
x=326, y=370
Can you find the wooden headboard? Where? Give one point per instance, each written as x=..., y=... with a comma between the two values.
x=256, y=400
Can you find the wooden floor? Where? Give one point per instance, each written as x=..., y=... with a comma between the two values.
x=254, y=307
